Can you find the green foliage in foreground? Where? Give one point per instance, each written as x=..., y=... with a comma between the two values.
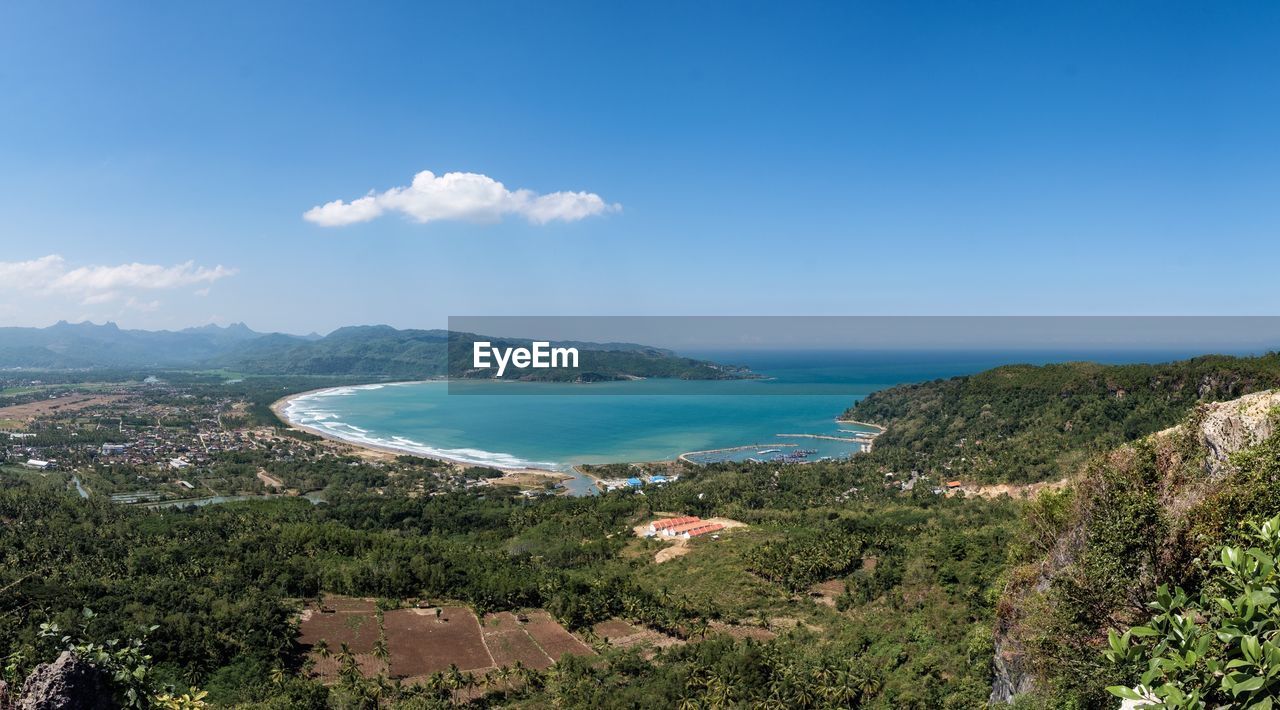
x=1219, y=651
x=1140, y=517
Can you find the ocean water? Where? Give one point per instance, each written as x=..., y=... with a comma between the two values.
x=545, y=425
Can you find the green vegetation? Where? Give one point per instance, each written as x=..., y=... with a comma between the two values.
x=846, y=587
x=937, y=561
x=1025, y=423
x=1145, y=516
x=1221, y=650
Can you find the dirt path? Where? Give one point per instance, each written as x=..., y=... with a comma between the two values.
x=269, y=480
x=1023, y=491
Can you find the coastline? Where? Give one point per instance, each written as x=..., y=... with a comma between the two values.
x=871, y=441
x=524, y=476
x=378, y=451
x=855, y=421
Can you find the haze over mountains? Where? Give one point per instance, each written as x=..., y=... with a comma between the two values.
x=378, y=351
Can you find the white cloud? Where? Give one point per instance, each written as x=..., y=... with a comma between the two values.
x=51, y=276
x=460, y=196
x=31, y=274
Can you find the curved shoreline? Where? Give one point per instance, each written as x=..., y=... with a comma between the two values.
x=279, y=406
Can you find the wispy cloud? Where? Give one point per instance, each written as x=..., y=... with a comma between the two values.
x=468, y=197
x=96, y=284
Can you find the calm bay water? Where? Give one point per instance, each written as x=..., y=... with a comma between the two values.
x=511, y=424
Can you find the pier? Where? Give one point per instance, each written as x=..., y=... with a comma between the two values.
x=726, y=450
x=855, y=440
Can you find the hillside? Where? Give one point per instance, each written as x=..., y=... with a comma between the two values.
x=384, y=352
x=378, y=352
x=85, y=345
x=843, y=587
x=1025, y=423
x=1146, y=514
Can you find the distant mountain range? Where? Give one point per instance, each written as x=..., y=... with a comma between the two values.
x=377, y=351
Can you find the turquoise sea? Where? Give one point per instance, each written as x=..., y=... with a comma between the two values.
x=545, y=425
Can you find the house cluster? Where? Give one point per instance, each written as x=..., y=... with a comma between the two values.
x=611, y=484
x=140, y=433
x=908, y=483
x=683, y=527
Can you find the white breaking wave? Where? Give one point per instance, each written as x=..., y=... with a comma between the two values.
x=305, y=410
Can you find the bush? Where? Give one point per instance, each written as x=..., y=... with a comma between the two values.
x=1220, y=651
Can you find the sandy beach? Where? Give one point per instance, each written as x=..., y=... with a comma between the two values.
x=858, y=423
x=522, y=476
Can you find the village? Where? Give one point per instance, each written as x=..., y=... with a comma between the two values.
x=156, y=443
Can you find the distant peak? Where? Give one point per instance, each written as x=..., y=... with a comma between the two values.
x=84, y=325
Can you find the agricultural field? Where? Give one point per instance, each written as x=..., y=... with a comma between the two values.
x=43, y=480
x=42, y=407
x=417, y=642
x=623, y=634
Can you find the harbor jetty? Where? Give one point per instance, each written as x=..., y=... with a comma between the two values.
x=728, y=449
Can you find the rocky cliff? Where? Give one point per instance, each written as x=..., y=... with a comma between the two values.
x=1133, y=518
x=68, y=683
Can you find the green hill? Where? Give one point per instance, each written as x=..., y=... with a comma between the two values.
x=376, y=352
x=1025, y=423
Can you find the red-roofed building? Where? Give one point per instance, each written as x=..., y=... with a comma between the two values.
x=702, y=529
x=677, y=530
x=666, y=524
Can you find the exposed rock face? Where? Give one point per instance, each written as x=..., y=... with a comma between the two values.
x=1223, y=428
x=1231, y=426
x=69, y=683
x=1010, y=677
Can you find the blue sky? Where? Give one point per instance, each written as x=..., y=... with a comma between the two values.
x=782, y=158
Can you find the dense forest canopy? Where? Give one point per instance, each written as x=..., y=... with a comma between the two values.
x=1031, y=423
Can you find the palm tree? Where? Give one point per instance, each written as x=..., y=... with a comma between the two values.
x=501, y=674
x=469, y=681
x=321, y=648
x=802, y=695
x=840, y=690
x=866, y=683
x=436, y=683
x=382, y=652
x=378, y=688
x=453, y=677
x=348, y=667
x=701, y=626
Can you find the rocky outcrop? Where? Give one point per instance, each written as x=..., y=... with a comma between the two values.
x=1228, y=427
x=68, y=683
x=1216, y=429
x=1011, y=678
